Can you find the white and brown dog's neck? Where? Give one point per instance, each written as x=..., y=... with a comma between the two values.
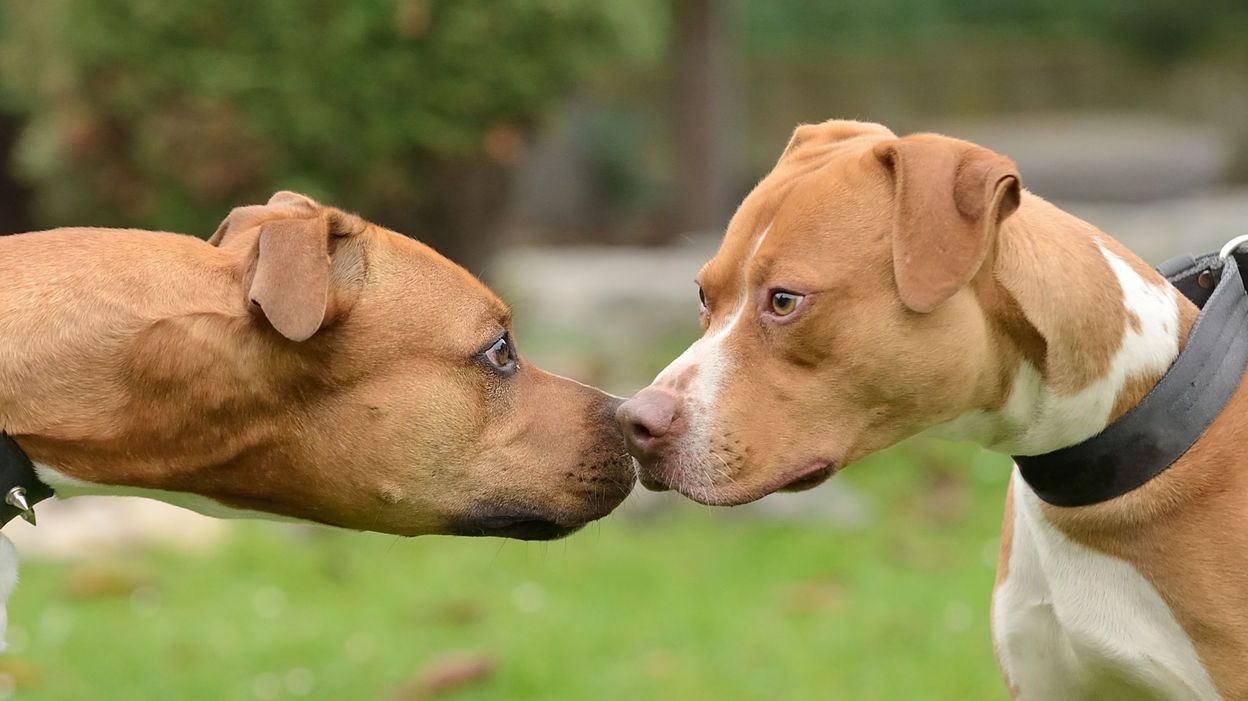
x=1085, y=330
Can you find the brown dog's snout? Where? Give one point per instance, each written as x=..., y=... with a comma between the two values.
x=645, y=420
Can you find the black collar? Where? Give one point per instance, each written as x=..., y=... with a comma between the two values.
x=1152, y=435
x=20, y=486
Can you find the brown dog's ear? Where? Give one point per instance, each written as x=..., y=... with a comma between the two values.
x=950, y=198
x=281, y=204
x=291, y=285
x=290, y=235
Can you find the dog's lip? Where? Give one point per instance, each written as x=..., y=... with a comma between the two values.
x=652, y=483
x=648, y=479
x=808, y=476
x=520, y=526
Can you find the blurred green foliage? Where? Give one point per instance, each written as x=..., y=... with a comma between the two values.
x=165, y=113
x=1159, y=30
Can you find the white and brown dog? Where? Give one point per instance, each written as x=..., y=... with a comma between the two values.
x=303, y=364
x=875, y=287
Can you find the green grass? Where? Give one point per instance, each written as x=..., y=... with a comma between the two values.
x=689, y=605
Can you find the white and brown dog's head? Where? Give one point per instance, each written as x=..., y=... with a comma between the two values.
x=323, y=368
x=842, y=313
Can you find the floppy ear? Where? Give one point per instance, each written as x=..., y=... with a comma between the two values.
x=949, y=199
x=291, y=280
x=291, y=285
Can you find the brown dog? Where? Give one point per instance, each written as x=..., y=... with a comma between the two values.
x=303, y=363
x=874, y=287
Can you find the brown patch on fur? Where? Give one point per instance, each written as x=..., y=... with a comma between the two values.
x=1007, y=536
x=1078, y=310
x=1017, y=340
x=1133, y=320
x=1003, y=572
x=1133, y=390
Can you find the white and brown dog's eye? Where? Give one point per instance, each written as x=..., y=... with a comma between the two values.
x=501, y=355
x=784, y=303
x=701, y=299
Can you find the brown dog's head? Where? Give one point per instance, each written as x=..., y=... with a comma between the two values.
x=356, y=377
x=839, y=315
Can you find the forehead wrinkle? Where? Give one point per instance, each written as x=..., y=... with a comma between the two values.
x=773, y=201
x=762, y=265
x=741, y=274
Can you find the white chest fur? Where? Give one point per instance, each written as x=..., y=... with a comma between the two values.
x=1071, y=623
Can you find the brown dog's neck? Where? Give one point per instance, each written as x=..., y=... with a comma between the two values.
x=120, y=362
x=1084, y=331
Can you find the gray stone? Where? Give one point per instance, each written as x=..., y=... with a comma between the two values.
x=1106, y=157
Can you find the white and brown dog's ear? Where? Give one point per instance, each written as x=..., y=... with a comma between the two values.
x=290, y=237
x=807, y=136
x=949, y=199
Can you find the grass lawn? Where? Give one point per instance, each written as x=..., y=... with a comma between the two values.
x=688, y=605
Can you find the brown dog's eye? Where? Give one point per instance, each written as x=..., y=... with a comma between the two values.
x=784, y=303
x=501, y=355
x=701, y=299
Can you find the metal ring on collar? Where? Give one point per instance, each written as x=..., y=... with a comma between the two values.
x=1231, y=246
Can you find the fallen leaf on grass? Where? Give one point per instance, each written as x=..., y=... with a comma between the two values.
x=19, y=673
x=913, y=552
x=446, y=674
x=819, y=596
x=97, y=579
x=457, y=612
x=946, y=497
x=659, y=664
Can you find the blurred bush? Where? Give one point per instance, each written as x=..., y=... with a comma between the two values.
x=1162, y=30
x=165, y=113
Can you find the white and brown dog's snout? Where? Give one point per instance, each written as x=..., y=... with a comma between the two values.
x=647, y=421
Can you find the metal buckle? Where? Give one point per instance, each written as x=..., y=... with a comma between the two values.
x=16, y=497
x=1231, y=246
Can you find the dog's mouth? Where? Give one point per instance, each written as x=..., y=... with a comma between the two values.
x=808, y=476
x=517, y=526
x=650, y=480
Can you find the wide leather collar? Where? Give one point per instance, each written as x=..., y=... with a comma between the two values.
x=1155, y=433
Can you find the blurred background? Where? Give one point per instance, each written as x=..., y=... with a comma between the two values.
x=582, y=156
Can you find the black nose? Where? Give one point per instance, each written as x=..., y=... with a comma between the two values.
x=645, y=420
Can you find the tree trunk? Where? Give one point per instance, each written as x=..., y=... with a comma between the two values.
x=14, y=196
x=703, y=115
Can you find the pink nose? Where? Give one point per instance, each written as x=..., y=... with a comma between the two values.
x=645, y=420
